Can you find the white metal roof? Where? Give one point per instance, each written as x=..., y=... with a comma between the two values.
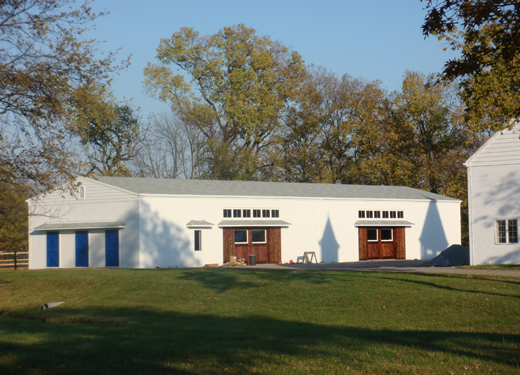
x=157, y=186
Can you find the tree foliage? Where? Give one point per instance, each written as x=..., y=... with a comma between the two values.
x=43, y=60
x=110, y=131
x=238, y=80
x=487, y=34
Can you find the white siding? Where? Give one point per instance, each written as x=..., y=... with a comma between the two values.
x=494, y=193
x=102, y=203
x=502, y=149
x=325, y=226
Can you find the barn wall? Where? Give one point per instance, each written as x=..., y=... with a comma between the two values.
x=102, y=203
x=494, y=193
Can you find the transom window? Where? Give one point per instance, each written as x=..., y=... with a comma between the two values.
x=246, y=213
x=370, y=214
x=266, y=213
x=227, y=213
x=237, y=213
x=507, y=231
x=275, y=213
x=257, y=213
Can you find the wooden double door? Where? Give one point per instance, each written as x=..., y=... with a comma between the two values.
x=382, y=243
x=241, y=245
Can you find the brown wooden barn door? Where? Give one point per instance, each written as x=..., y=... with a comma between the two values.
x=381, y=243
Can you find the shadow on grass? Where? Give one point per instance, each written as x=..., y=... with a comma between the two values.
x=223, y=280
x=453, y=289
x=162, y=343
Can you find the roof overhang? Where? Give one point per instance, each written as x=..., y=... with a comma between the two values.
x=199, y=224
x=81, y=225
x=383, y=223
x=253, y=223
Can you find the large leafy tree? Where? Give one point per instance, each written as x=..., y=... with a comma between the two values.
x=44, y=58
x=110, y=131
x=241, y=80
x=487, y=35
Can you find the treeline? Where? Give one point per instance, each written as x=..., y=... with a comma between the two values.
x=243, y=107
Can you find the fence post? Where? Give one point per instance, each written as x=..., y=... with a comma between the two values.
x=15, y=260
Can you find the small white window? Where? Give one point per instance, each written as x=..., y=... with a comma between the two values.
x=385, y=214
x=82, y=192
x=370, y=214
x=392, y=214
x=265, y=213
x=400, y=214
x=386, y=235
x=507, y=231
x=227, y=212
x=377, y=214
x=361, y=214
x=257, y=213
x=237, y=213
x=372, y=235
x=240, y=236
x=246, y=213
x=198, y=240
x=258, y=236
x=275, y=213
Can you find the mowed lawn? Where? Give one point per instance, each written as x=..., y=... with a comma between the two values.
x=243, y=321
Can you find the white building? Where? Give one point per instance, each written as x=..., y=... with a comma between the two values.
x=148, y=223
x=494, y=199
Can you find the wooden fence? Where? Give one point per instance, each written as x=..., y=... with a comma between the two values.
x=14, y=259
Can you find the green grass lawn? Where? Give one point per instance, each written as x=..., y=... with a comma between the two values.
x=493, y=267
x=243, y=321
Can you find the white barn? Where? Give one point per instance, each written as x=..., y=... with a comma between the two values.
x=494, y=199
x=148, y=223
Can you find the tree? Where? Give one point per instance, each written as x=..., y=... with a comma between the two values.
x=43, y=60
x=110, y=131
x=13, y=217
x=243, y=80
x=487, y=33
x=332, y=128
x=173, y=148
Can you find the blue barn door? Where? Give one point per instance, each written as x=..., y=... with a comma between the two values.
x=53, y=249
x=112, y=247
x=82, y=249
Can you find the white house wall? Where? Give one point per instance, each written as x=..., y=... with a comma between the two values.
x=101, y=203
x=325, y=226
x=494, y=193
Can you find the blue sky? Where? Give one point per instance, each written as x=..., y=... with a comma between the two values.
x=371, y=39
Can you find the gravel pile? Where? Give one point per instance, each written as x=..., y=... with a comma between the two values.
x=455, y=255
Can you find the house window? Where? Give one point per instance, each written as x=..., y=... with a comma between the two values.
x=385, y=214
x=361, y=214
x=371, y=235
x=377, y=214
x=240, y=236
x=227, y=213
x=198, y=240
x=256, y=213
x=275, y=213
x=370, y=214
x=392, y=215
x=258, y=236
x=246, y=213
x=386, y=234
x=400, y=214
x=507, y=231
x=81, y=192
x=237, y=213
x=265, y=213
